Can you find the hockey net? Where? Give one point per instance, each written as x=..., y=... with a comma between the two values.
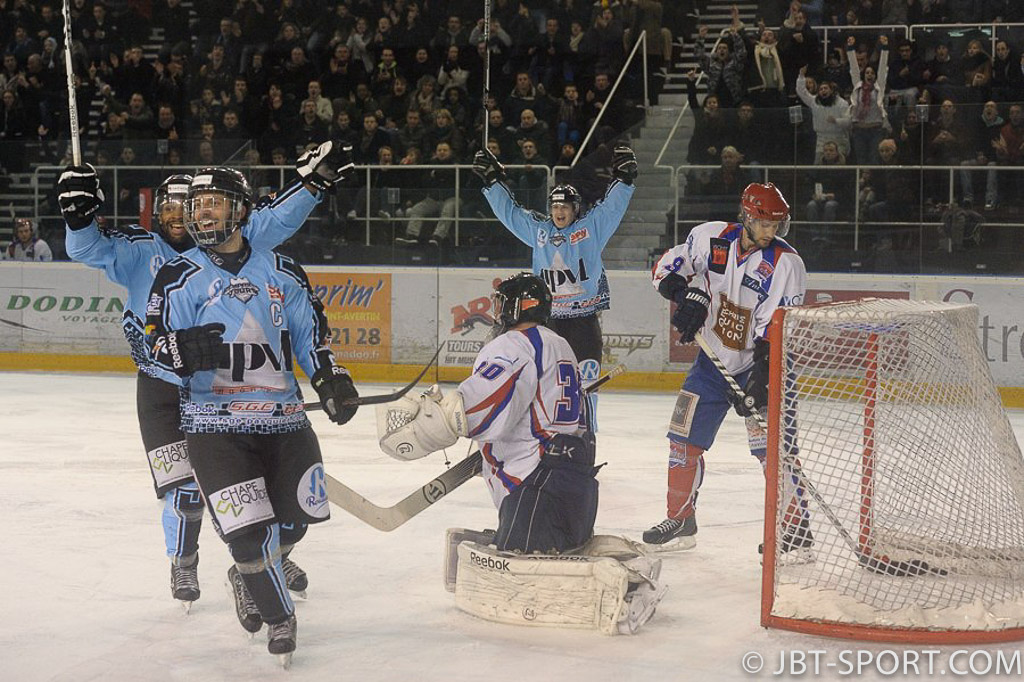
x=887, y=437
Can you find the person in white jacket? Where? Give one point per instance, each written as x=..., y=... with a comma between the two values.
x=869, y=122
x=830, y=114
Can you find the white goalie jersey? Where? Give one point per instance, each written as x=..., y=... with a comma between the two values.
x=524, y=389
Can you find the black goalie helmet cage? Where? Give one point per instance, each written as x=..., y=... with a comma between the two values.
x=174, y=188
x=229, y=183
x=521, y=298
x=565, y=194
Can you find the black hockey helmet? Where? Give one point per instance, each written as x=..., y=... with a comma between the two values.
x=237, y=198
x=172, y=191
x=565, y=194
x=521, y=298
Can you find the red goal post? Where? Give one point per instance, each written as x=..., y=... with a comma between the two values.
x=887, y=435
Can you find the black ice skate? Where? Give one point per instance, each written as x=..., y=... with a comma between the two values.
x=245, y=607
x=294, y=576
x=795, y=544
x=672, y=535
x=281, y=639
x=185, y=583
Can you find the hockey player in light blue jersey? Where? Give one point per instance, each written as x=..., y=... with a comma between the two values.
x=567, y=247
x=229, y=322
x=131, y=257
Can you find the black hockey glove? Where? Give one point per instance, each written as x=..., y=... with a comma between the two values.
x=488, y=168
x=624, y=167
x=691, y=312
x=79, y=195
x=334, y=386
x=195, y=349
x=326, y=165
x=757, y=383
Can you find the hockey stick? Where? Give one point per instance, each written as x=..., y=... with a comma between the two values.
x=389, y=518
x=876, y=564
x=383, y=397
x=76, y=145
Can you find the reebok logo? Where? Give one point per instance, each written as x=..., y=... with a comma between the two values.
x=488, y=562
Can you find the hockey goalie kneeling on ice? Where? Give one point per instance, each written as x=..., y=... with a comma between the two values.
x=524, y=405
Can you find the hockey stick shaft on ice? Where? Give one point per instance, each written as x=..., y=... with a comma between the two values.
x=875, y=564
x=389, y=518
x=384, y=397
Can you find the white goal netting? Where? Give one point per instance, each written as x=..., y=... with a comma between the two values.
x=893, y=445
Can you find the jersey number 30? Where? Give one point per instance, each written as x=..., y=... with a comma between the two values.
x=567, y=409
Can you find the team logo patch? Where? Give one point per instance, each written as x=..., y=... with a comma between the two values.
x=755, y=286
x=242, y=289
x=719, y=257
x=312, y=492
x=542, y=237
x=764, y=270
x=242, y=504
x=578, y=236
x=153, y=305
x=557, y=239
x=590, y=370
x=275, y=293
x=170, y=463
x=732, y=324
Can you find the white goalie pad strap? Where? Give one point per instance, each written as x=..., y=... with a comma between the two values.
x=566, y=591
x=412, y=428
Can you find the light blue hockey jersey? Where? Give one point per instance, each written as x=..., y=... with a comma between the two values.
x=131, y=258
x=568, y=260
x=270, y=316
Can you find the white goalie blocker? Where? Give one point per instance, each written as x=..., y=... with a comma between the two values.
x=609, y=585
x=412, y=428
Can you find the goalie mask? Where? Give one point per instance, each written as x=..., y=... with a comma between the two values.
x=169, y=208
x=218, y=203
x=765, y=202
x=520, y=298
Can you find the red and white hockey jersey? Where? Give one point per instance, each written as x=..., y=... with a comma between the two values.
x=745, y=287
x=524, y=389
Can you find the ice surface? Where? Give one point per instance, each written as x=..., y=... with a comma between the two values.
x=85, y=582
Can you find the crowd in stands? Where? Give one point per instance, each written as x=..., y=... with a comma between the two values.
x=259, y=81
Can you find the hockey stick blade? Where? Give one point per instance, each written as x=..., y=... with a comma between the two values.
x=389, y=518
x=384, y=397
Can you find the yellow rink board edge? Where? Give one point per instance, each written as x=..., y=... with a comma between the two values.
x=1012, y=397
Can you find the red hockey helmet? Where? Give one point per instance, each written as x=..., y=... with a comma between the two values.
x=765, y=202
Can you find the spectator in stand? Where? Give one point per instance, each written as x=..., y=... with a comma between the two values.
x=905, y=79
x=422, y=65
x=452, y=74
x=385, y=73
x=383, y=37
x=413, y=133
x=439, y=201
x=365, y=103
x=342, y=128
x=396, y=103
x=911, y=140
x=725, y=68
x=943, y=76
x=747, y=135
x=167, y=126
x=1007, y=74
x=138, y=120
x=830, y=191
x=1010, y=149
x=342, y=74
x=230, y=41
x=359, y=43
x=132, y=74
x=710, y=127
x=27, y=245
x=547, y=65
x=830, y=114
x=452, y=33
x=425, y=97
x=798, y=47
x=867, y=104
x=324, y=108
x=14, y=129
x=99, y=33
x=983, y=135
x=367, y=149
x=294, y=75
x=452, y=101
x=977, y=70
x=729, y=179
x=569, y=120
x=605, y=40
x=445, y=130
x=524, y=96
x=947, y=137
x=170, y=86
x=288, y=37
x=597, y=98
x=411, y=31
x=891, y=193
x=310, y=130
x=529, y=184
x=534, y=130
x=216, y=73
x=504, y=135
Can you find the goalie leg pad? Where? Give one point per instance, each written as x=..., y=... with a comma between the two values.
x=453, y=537
x=566, y=591
x=552, y=510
